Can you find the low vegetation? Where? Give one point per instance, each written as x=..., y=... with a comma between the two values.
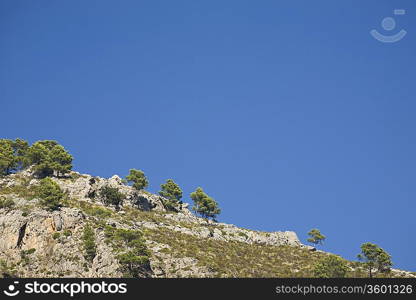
x=6, y=203
x=238, y=259
x=7, y=269
x=90, y=247
x=331, y=266
x=95, y=210
x=242, y=260
x=130, y=249
x=21, y=188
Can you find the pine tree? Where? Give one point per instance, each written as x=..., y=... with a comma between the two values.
x=172, y=192
x=316, y=237
x=48, y=157
x=138, y=179
x=375, y=257
x=20, y=149
x=61, y=160
x=7, y=158
x=204, y=205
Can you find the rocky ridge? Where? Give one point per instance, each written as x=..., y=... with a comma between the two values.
x=39, y=243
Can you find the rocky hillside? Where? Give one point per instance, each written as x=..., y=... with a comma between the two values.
x=85, y=238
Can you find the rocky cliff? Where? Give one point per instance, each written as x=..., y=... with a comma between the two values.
x=35, y=242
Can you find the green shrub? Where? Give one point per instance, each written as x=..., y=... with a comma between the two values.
x=131, y=251
x=24, y=254
x=6, y=270
x=111, y=196
x=56, y=235
x=6, y=203
x=133, y=262
x=67, y=232
x=31, y=251
x=331, y=266
x=90, y=247
x=74, y=176
x=99, y=212
x=243, y=234
x=50, y=194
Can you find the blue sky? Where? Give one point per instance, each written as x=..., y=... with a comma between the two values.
x=288, y=113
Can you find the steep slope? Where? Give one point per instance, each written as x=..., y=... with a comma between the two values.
x=39, y=243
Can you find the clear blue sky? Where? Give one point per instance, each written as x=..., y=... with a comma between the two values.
x=288, y=113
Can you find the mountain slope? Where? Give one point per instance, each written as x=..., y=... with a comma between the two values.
x=86, y=238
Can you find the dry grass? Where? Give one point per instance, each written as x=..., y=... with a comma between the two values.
x=242, y=260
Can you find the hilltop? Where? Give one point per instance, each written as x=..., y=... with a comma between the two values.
x=139, y=238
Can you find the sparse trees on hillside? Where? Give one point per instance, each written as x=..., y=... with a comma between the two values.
x=172, y=192
x=204, y=205
x=374, y=258
x=316, y=237
x=138, y=179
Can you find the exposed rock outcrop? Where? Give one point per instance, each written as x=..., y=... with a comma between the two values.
x=39, y=243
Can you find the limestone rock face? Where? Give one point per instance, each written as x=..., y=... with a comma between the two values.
x=226, y=232
x=87, y=188
x=54, y=255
